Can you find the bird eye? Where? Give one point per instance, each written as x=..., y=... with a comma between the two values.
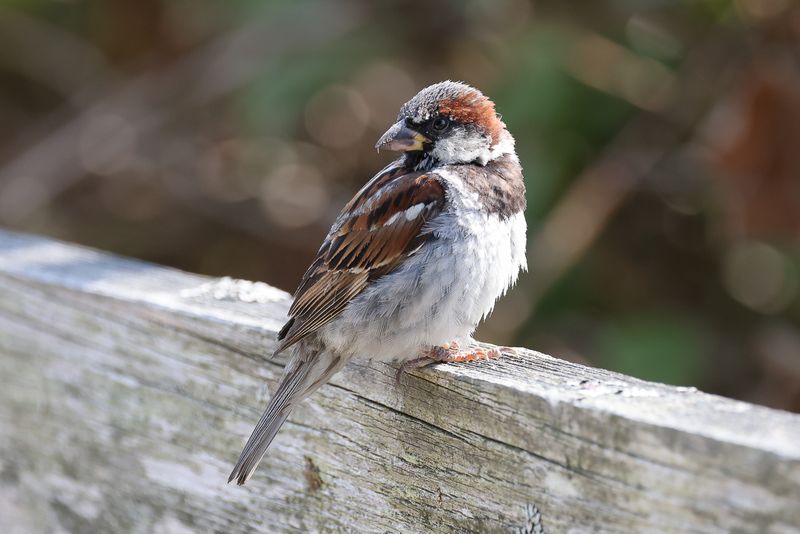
x=441, y=124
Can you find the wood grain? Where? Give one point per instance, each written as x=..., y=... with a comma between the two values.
x=128, y=390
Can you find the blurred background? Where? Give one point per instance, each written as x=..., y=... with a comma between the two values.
x=660, y=141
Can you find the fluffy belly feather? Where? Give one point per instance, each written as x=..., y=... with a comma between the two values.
x=439, y=295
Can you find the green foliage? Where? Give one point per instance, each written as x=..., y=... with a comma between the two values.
x=662, y=348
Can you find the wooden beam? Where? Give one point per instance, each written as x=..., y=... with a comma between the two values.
x=128, y=390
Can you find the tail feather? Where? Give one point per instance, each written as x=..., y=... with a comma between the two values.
x=256, y=447
x=303, y=376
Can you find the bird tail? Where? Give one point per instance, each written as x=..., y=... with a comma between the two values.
x=306, y=372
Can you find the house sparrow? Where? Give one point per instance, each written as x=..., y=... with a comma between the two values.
x=414, y=261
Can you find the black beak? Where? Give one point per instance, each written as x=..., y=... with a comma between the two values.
x=401, y=138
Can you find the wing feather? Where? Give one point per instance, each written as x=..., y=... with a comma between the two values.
x=382, y=225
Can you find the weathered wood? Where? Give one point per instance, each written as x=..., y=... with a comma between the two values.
x=128, y=390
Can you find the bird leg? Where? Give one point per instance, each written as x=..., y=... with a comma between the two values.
x=450, y=353
x=454, y=354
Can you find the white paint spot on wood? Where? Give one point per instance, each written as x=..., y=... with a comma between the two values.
x=227, y=288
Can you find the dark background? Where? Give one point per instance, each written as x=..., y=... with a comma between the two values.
x=660, y=141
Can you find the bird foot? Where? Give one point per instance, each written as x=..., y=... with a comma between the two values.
x=451, y=353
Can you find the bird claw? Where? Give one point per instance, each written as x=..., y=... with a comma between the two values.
x=452, y=353
x=476, y=354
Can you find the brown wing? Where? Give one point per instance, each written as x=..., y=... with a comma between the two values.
x=381, y=225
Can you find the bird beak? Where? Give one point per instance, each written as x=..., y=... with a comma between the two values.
x=401, y=138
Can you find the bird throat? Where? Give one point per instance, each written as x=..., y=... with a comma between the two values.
x=421, y=161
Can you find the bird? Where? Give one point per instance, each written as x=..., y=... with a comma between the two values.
x=414, y=261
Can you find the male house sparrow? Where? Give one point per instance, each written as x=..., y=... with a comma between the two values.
x=414, y=261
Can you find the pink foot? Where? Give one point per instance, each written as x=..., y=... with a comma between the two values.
x=451, y=353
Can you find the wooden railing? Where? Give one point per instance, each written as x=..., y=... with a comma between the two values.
x=128, y=390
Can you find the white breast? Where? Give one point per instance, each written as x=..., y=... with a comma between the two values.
x=441, y=292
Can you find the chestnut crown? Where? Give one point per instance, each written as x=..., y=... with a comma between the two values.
x=455, y=102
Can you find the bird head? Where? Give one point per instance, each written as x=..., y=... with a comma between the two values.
x=450, y=122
